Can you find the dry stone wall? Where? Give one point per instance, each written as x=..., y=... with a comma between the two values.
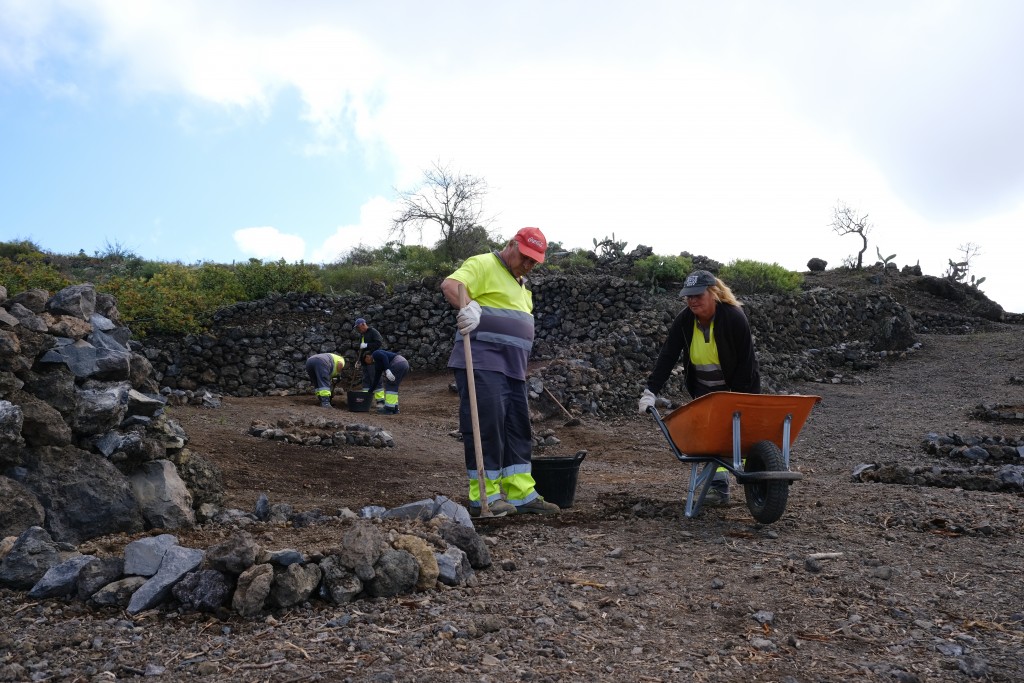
x=597, y=338
x=85, y=446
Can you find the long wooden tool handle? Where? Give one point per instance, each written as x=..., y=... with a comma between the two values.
x=485, y=510
x=552, y=397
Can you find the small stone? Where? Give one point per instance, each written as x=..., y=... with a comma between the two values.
x=884, y=573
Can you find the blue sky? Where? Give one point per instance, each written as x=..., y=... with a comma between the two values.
x=221, y=130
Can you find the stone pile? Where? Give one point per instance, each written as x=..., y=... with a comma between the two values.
x=85, y=446
x=998, y=412
x=597, y=338
x=970, y=462
x=977, y=449
x=391, y=552
x=322, y=432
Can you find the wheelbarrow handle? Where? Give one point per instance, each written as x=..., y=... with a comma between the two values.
x=664, y=430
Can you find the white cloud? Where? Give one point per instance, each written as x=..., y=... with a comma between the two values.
x=371, y=231
x=270, y=244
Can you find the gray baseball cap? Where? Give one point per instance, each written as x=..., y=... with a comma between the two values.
x=697, y=282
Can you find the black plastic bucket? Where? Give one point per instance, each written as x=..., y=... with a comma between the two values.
x=359, y=401
x=557, y=477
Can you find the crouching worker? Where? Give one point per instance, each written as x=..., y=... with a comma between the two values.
x=323, y=370
x=392, y=367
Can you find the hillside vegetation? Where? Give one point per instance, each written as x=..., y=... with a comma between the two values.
x=156, y=297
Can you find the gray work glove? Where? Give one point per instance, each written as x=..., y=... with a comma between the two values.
x=363, y=345
x=468, y=318
x=647, y=400
x=390, y=375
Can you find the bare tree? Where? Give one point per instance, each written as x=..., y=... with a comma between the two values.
x=452, y=201
x=846, y=222
x=958, y=270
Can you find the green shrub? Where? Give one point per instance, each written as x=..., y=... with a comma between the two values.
x=260, y=279
x=17, y=248
x=23, y=266
x=353, y=279
x=756, y=277
x=575, y=261
x=220, y=282
x=657, y=271
x=170, y=302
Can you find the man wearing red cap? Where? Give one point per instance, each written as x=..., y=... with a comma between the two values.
x=499, y=321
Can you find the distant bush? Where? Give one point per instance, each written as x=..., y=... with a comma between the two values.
x=259, y=279
x=23, y=266
x=657, y=271
x=756, y=277
x=181, y=299
x=355, y=279
x=12, y=250
x=575, y=261
x=170, y=302
x=362, y=270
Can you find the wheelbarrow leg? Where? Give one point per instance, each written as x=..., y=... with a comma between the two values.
x=701, y=475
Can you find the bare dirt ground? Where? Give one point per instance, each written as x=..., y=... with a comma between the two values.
x=915, y=584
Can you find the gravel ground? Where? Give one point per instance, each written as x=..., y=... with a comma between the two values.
x=856, y=582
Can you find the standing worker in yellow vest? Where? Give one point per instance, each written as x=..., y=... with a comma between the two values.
x=369, y=341
x=499, y=321
x=323, y=369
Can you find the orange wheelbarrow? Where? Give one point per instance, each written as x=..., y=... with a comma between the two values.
x=750, y=435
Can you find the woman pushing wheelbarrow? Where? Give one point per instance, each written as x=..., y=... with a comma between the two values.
x=713, y=337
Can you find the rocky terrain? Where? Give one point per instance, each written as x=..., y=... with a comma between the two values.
x=898, y=557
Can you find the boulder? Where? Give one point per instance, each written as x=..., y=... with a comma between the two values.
x=423, y=553
x=119, y=593
x=33, y=299
x=44, y=425
x=97, y=573
x=395, y=573
x=19, y=508
x=340, y=585
x=469, y=541
x=78, y=301
x=294, y=584
x=99, y=409
x=60, y=580
x=12, y=420
x=361, y=548
x=143, y=557
x=234, y=554
x=84, y=495
x=176, y=563
x=162, y=496
x=206, y=590
x=32, y=554
x=252, y=590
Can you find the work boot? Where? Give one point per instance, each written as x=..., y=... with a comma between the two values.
x=538, y=506
x=325, y=401
x=391, y=410
x=717, y=497
x=381, y=410
x=498, y=508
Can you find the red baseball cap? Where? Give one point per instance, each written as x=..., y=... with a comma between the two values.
x=532, y=243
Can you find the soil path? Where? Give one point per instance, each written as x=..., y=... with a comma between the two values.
x=857, y=582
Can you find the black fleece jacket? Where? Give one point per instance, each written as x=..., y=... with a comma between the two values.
x=735, y=352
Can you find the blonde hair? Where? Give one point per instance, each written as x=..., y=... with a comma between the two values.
x=723, y=293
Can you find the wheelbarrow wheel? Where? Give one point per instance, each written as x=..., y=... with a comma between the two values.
x=766, y=500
